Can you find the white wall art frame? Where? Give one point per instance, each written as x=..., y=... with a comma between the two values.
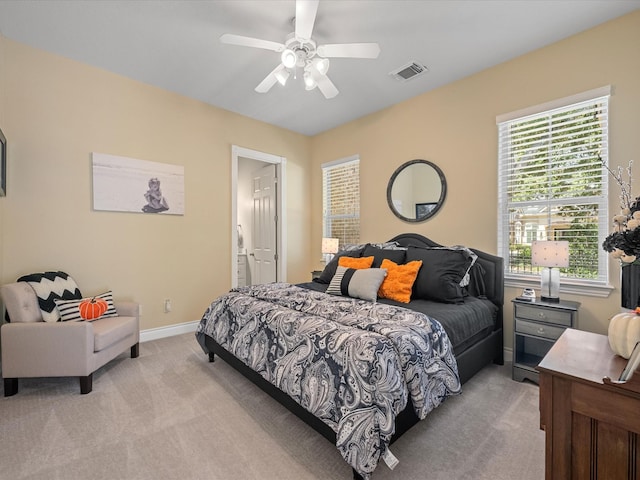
x=122, y=184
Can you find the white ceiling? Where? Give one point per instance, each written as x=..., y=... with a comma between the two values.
x=175, y=45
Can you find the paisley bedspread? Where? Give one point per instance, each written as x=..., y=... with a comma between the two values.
x=351, y=363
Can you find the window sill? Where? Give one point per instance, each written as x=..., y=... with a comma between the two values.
x=571, y=287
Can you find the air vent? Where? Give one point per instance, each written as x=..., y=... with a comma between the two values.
x=408, y=71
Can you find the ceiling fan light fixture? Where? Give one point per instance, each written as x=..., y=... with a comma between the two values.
x=289, y=58
x=309, y=82
x=300, y=51
x=321, y=65
x=282, y=76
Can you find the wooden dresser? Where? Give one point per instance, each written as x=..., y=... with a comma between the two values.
x=592, y=428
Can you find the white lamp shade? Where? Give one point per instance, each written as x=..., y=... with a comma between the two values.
x=289, y=58
x=309, y=84
x=321, y=65
x=550, y=254
x=330, y=245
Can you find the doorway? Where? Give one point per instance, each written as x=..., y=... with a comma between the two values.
x=251, y=249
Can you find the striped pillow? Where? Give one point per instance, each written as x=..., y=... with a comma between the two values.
x=70, y=309
x=357, y=283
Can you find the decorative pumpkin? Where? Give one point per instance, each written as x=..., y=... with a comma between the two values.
x=92, y=308
x=624, y=333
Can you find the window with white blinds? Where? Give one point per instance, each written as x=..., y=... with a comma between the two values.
x=341, y=200
x=552, y=185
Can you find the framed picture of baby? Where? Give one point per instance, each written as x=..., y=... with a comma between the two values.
x=122, y=184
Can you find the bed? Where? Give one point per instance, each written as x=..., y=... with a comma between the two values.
x=362, y=372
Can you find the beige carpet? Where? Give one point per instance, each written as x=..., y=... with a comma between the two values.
x=170, y=414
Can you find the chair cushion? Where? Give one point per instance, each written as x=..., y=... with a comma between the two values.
x=108, y=331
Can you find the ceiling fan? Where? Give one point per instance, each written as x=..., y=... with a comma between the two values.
x=301, y=51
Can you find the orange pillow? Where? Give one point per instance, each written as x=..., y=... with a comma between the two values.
x=355, y=262
x=399, y=281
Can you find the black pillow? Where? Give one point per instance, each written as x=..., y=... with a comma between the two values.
x=379, y=254
x=330, y=270
x=440, y=275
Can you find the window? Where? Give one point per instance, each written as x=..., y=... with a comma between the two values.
x=341, y=200
x=552, y=185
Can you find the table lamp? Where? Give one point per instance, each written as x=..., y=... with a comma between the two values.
x=551, y=255
x=329, y=248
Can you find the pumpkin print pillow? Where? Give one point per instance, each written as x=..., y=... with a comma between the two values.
x=87, y=309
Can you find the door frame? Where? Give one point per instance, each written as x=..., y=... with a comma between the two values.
x=238, y=152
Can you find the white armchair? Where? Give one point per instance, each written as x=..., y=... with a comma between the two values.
x=34, y=348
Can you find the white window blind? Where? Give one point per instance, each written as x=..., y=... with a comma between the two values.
x=552, y=186
x=341, y=200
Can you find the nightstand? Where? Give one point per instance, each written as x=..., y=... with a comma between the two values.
x=537, y=326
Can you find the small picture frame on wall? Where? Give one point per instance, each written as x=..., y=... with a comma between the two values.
x=3, y=165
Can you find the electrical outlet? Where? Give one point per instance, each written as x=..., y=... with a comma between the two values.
x=167, y=305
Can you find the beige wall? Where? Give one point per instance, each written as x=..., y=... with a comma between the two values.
x=56, y=112
x=454, y=127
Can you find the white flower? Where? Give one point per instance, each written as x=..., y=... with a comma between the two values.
x=626, y=224
x=617, y=253
x=633, y=224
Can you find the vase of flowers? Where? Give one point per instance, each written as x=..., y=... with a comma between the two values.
x=624, y=242
x=630, y=289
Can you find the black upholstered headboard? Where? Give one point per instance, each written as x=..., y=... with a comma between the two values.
x=488, y=279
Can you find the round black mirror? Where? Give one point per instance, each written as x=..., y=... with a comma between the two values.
x=416, y=190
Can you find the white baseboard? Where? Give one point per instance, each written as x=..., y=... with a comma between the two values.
x=168, y=331
x=508, y=354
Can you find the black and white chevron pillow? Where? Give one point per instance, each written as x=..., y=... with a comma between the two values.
x=50, y=286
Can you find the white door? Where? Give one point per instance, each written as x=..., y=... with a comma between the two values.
x=265, y=225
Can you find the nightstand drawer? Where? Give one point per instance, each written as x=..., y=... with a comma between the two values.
x=547, y=315
x=538, y=329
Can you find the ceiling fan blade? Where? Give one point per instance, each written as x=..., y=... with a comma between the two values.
x=325, y=85
x=305, y=17
x=269, y=81
x=351, y=50
x=242, y=41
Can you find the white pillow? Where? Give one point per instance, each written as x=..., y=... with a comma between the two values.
x=357, y=283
